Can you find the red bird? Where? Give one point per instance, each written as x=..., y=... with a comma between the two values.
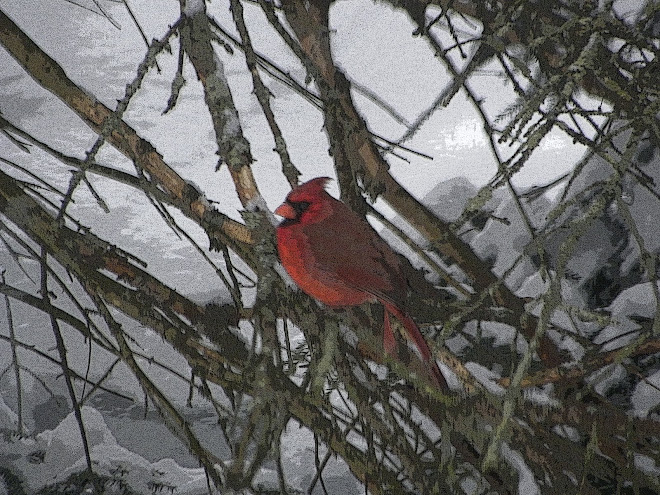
x=335, y=256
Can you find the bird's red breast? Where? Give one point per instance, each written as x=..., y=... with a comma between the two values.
x=332, y=253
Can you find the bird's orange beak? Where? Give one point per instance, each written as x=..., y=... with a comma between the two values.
x=286, y=210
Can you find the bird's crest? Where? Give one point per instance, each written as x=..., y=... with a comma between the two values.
x=309, y=190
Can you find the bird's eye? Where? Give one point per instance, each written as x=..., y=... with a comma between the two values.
x=299, y=206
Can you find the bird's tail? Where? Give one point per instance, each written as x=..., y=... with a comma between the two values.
x=413, y=332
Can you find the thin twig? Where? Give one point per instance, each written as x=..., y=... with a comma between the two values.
x=14, y=357
x=62, y=351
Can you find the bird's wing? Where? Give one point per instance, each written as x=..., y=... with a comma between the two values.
x=345, y=246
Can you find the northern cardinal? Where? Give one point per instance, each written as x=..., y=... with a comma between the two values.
x=335, y=256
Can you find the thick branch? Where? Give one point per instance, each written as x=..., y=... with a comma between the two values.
x=233, y=148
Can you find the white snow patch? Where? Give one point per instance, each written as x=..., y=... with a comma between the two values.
x=193, y=7
x=554, y=142
x=607, y=378
x=486, y=377
x=541, y=396
x=62, y=454
x=533, y=286
x=638, y=300
x=501, y=332
x=635, y=301
x=281, y=271
x=646, y=464
x=232, y=124
x=8, y=418
x=567, y=431
x=526, y=483
x=467, y=134
x=258, y=203
x=646, y=395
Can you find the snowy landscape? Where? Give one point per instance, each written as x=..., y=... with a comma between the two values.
x=132, y=448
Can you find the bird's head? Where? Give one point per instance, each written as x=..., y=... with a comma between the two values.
x=304, y=200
